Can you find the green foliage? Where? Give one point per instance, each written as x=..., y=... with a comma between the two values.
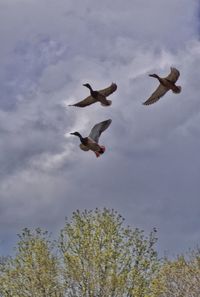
x=180, y=277
x=95, y=256
x=34, y=270
x=103, y=258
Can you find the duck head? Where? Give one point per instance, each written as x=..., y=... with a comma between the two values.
x=154, y=75
x=87, y=86
x=76, y=134
x=82, y=139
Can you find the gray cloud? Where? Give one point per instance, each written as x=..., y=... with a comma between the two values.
x=150, y=170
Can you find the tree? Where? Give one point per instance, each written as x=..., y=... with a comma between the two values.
x=180, y=277
x=98, y=257
x=103, y=258
x=33, y=271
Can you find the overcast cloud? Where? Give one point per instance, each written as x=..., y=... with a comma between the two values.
x=150, y=171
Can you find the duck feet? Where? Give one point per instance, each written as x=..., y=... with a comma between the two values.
x=100, y=152
x=102, y=149
x=97, y=154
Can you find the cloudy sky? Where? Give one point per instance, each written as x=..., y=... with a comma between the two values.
x=150, y=172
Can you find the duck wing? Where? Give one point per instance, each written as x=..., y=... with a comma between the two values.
x=90, y=100
x=159, y=92
x=85, y=102
x=98, y=129
x=109, y=90
x=174, y=75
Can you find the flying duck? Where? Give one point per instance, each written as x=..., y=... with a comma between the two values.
x=97, y=96
x=167, y=83
x=91, y=142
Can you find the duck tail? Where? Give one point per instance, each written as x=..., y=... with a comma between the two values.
x=178, y=90
x=109, y=103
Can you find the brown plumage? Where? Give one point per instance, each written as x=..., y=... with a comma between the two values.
x=92, y=141
x=167, y=83
x=97, y=96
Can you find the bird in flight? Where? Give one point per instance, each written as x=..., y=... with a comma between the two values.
x=92, y=141
x=97, y=96
x=166, y=83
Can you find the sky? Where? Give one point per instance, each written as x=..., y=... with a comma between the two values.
x=150, y=170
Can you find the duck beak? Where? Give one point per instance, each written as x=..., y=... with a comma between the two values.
x=152, y=75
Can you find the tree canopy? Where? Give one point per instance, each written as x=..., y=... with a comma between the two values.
x=96, y=255
x=101, y=257
x=34, y=271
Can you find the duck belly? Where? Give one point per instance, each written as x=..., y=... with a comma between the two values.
x=170, y=85
x=103, y=100
x=84, y=147
x=94, y=147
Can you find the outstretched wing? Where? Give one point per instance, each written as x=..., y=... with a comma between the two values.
x=174, y=75
x=90, y=100
x=159, y=92
x=109, y=90
x=85, y=102
x=98, y=129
